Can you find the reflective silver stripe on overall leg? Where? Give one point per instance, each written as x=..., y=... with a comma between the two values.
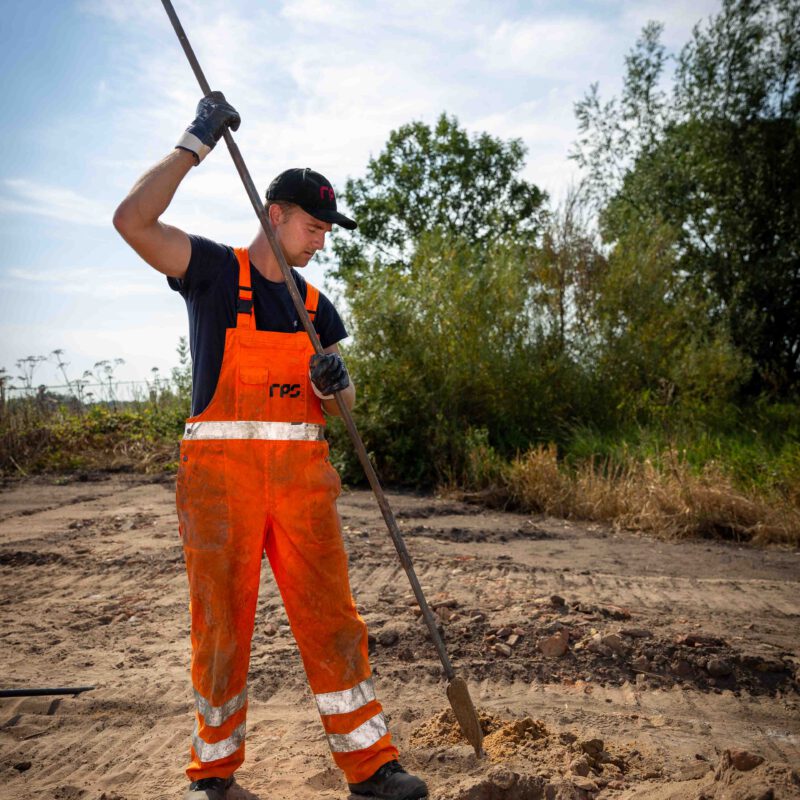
x=347, y=700
x=216, y=715
x=213, y=752
x=361, y=738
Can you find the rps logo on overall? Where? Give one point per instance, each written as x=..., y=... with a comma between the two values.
x=281, y=390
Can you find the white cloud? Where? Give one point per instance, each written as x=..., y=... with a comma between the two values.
x=25, y=196
x=122, y=12
x=678, y=16
x=330, y=13
x=558, y=49
x=545, y=126
x=96, y=282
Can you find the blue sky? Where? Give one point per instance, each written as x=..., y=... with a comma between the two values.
x=96, y=91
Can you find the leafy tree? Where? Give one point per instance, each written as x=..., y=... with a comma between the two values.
x=451, y=350
x=718, y=161
x=438, y=178
x=566, y=275
x=182, y=374
x=657, y=348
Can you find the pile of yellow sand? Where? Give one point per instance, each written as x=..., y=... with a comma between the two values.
x=502, y=739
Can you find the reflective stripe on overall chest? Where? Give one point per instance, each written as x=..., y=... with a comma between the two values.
x=263, y=391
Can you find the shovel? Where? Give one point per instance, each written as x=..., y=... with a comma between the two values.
x=457, y=692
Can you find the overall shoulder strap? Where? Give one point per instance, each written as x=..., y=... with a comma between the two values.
x=245, y=317
x=312, y=300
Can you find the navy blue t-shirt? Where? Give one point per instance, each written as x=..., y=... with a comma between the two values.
x=210, y=289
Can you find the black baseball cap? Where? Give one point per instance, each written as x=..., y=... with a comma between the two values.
x=312, y=192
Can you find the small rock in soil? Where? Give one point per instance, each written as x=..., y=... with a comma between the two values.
x=636, y=633
x=587, y=784
x=592, y=747
x=556, y=645
x=719, y=667
x=388, y=636
x=615, y=644
x=743, y=760
x=692, y=772
x=595, y=645
x=641, y=663
x=580, y=766
x=699, y=640
x=681, y=668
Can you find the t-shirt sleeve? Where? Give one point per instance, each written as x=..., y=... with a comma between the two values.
x=205, y=266
x=329, y=325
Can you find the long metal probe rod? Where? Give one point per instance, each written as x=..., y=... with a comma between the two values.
x=45, y=692
x=347, y=417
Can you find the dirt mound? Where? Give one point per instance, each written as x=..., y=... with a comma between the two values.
x=502, y=739
x=463, y=534
x=511, y=738
x=605, y=644
x=23, y=558
x=746, y=776
x=527, y=760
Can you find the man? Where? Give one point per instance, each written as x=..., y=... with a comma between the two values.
x=254, y=472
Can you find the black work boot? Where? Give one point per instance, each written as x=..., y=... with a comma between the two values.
x=391, y=782
x=209, y=789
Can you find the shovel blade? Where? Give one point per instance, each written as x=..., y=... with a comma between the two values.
x=461, y=702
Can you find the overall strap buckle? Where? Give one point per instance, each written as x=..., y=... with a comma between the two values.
x=244, y=301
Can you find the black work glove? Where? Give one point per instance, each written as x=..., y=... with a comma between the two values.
x=214, y=114
x=328, y=375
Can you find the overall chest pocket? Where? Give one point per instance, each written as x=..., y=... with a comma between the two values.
x=254, y=375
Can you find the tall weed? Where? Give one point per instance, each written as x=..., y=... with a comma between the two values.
x=667, y=496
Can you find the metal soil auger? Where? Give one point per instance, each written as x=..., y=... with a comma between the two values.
x=457, y=692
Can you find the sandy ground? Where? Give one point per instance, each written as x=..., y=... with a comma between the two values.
x=604, y=664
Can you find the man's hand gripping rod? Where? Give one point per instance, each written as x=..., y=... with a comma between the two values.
x=457, y=692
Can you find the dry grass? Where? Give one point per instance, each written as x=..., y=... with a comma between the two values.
x=59, y=440
x=537, y=482
x=669, y=499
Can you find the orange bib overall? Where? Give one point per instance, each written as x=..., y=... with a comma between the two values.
x=254, y=477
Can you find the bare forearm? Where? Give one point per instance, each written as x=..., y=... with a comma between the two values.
x=348, y=395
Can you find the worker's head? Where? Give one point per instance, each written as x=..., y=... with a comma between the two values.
x=302, y=208
x=311, y=191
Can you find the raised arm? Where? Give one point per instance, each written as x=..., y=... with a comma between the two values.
x=165, y=247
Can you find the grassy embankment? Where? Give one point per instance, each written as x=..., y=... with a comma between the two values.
x=742, y=485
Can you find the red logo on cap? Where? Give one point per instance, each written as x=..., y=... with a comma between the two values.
x=329, y=190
